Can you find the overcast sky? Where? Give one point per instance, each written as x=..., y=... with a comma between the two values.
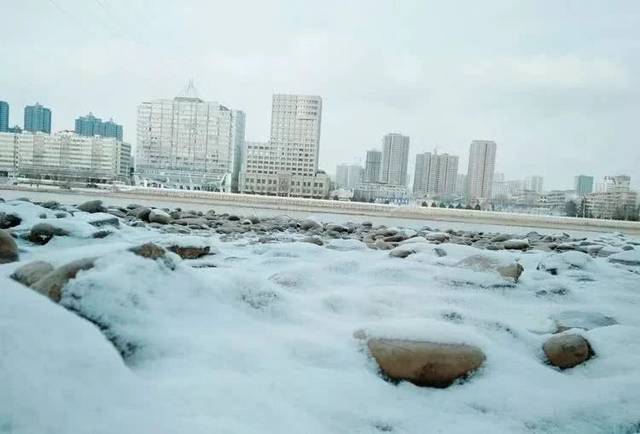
x=555, y=83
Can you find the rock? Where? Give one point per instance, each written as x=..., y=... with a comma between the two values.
x=254, y=220
x=307, y=224
x=425, y=363
x=117, y=212
x=101, y=234
x=149, y=250
x=511, y=272
x=566, y=351
x=313, y=240
x=568, y=260
x=133, y=206
x=50, y=204
x=626, y=257
x=484, y=263
x=8, y=248
x=500, y=238
x=336, y=228
x=246, y=222
x=440, y=252
x=401, y=252
x=192, y=221
x=382, y=245
x=43, y=232
x=366, y=224
x=141, y=213
x=51, y=284
x=439, y=237
x=30, y=273
x=92, y=206
x=159, y=216
x=190, y=252
x=517, y=244
x=395, y=238
x=105, y=221
x=569, y=319
x=9, y=220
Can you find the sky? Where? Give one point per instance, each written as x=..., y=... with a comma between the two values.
x=556, y=84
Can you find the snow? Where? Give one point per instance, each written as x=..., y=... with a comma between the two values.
x=264, y=342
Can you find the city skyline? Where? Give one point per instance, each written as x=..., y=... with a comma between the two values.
x=528, y=83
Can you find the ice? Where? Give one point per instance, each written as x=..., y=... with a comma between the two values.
x=263, y=342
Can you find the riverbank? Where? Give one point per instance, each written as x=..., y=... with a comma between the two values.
x=285, y=204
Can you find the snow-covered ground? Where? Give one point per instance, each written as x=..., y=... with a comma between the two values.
x=258, y=337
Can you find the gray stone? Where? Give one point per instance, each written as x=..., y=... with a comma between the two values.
x=8, y=248
x=500, y=238
x=43, y=232
x=425, y=363
x=30, y=273
x=401, y=252
x=149, y=250
x=51, y=284
x=484, y=263
x=517, y=244
x=313, y=240
x=159, y=216
x=567, y=350
x=382, y=245
x=101, y=234
x=9, y=220
x=308, y=224
x=117, y=212
x=190, y=252
x=439, y=237
x=105, y=221
x=92, y=206
x=141, y=213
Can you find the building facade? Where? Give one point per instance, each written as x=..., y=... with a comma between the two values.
x=65, y=156
x=348, y=176
x=435, y=174
x=373, y=166
x=395, y=159
x=482, y=160
x=37, y=119
x=381, y=193
x=90, y=125
x=4, y=116
x=583, y=185
x=287, y=165
x=534, y=183
x=188, y=143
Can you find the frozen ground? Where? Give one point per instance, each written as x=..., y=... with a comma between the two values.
x=259, y=337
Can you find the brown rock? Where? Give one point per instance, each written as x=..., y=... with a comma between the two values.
x=567, y=351
x=8, y=248
x=149, y=250
x=190, y=252
x=425, y=363
x=43, y=232
x=51, y=284
x=30, y=273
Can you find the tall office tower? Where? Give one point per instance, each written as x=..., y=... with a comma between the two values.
x=4, y=117
x=395, y=159
x=482, y=161
x=373, y=166
x=37, y=118
x=90, y=125
x=188, y=143
x=534, y=183
x=290, y=163
x=583, y=185
x=342, y=175
x=435, y=174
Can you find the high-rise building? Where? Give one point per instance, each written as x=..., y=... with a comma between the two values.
x=189, y=143
x=395, y=159
x=373, y=166
x=4, y=117
x=615, y=184
x=287, y=165
x=90, y=125
x=482, y=160
x=65, y=156
x=435, y=174
x=348, y=175
x=534, y=183
x=37, y=118
x=583, y=185
x=342, y=175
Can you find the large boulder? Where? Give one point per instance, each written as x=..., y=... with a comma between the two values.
x=43, y=232
x=307, y=224
x=141, y=213
x=517, y=244
x=567, y=350
x=159, y=216
x=425, y=363
x=511, y=271
x=30, y=273
x=9, y=220
x=51, y=284
x=92, y=206
x=8, y=248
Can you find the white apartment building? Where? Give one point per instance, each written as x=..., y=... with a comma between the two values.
x=435, y=174
x=348, y=176
x=287, y=165
x=189, y=143
x=395, y=159
x=534, y=183
x=65, y=156
x=373, y=166
x=482, y=160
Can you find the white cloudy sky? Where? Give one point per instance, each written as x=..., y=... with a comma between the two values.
x=555, y=83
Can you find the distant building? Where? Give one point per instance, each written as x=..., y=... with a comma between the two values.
x=37, y=119
x=461, y=184
x=4, y=117
x=534, y=183
x=556, y=200
x=373, y=166
x=381, y=193
x=615, y=184
x=65, y=156
x=342, y=175
x=287, y=165
x=435, y=174
x=395, y=159
x=482, y=158
x=189, y=143
x=90, y=125
x=613, y=205
x=583, y=185
x=348, y=176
